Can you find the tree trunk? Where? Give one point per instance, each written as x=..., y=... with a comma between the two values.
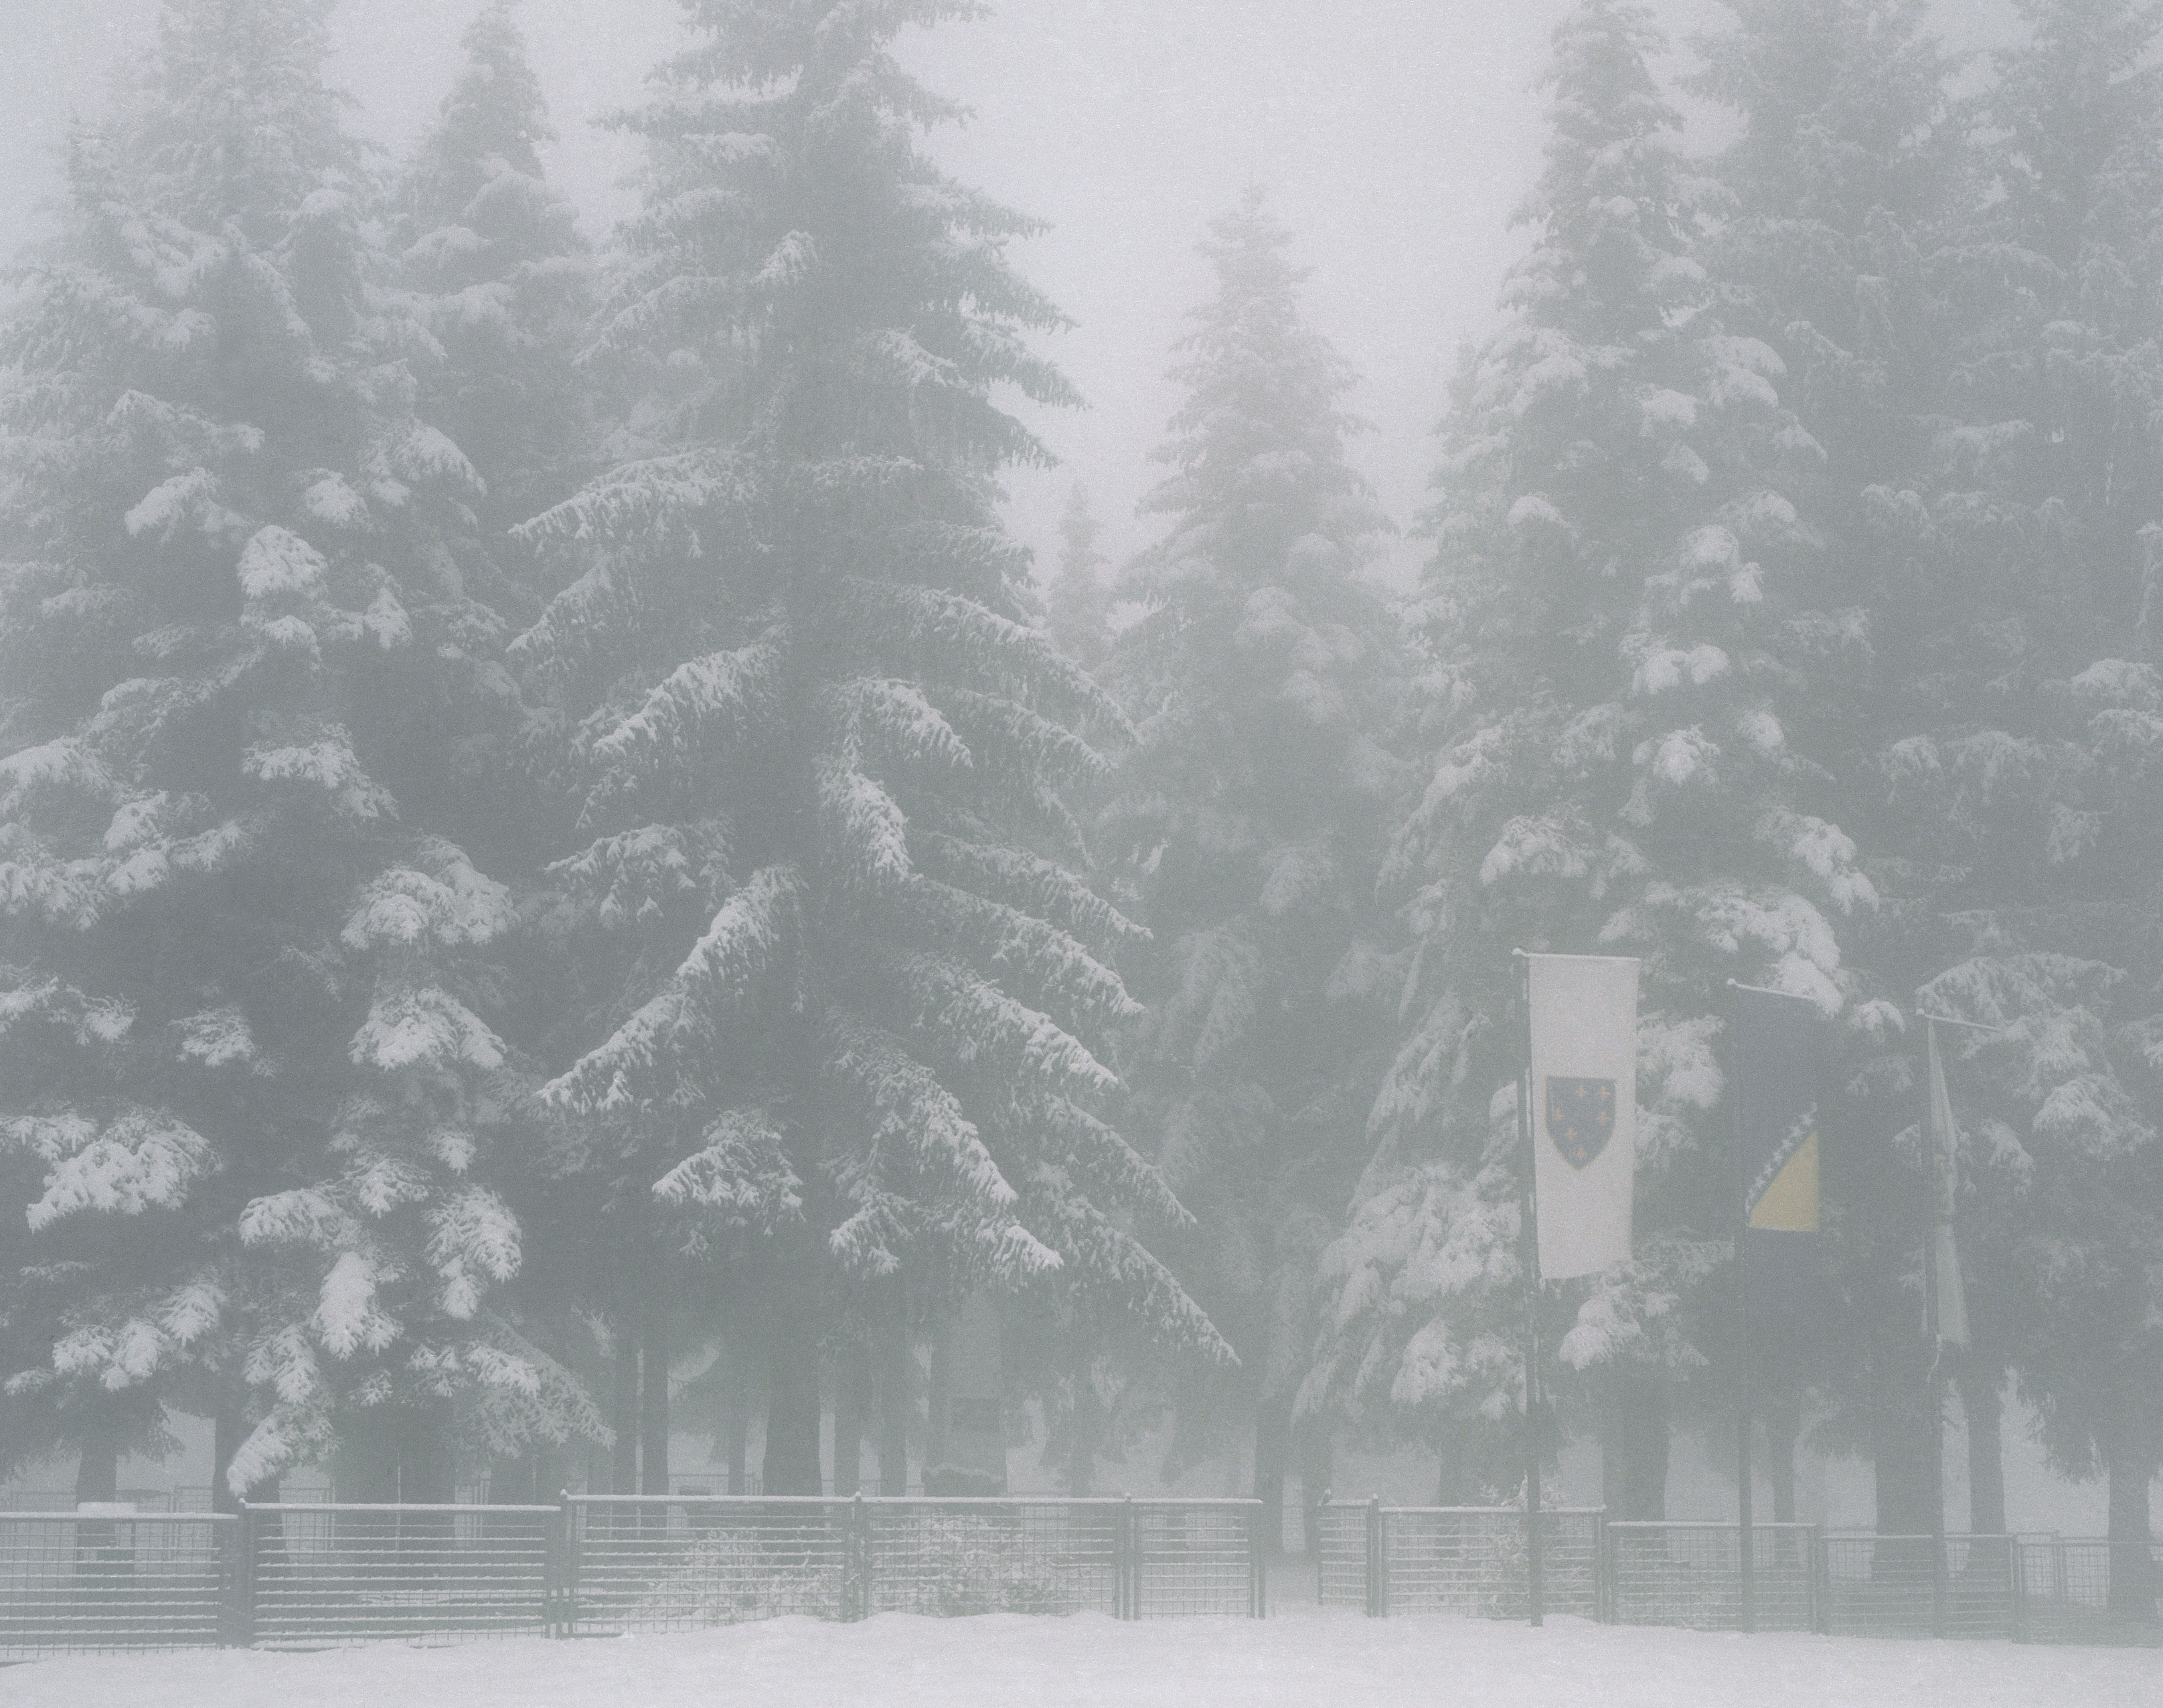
x=791, y=1398
x=1272, y=1455
x=1086, y=1426
x=229, y=1429
x=895, y=1398
x=1449, y=1479
x=2132, y=1554
x=653, y=1388
x=1900, y=1462
x=738, y=1430
x=849, y=1386
x=97, y=1476
x=1314, y=1475
x=1983, y=1406
x=1783, y=1424
x=623, y=1409
x=1634, y=1447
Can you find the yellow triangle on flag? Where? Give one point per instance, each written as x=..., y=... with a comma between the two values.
x=1790, y=1203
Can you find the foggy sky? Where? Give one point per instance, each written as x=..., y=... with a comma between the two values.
x=1394, y=136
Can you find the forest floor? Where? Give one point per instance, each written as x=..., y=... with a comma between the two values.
x=1303, y=1658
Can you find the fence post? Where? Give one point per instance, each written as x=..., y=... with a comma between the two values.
x=2019, y=1586
x=1258, y=1567
x=1601, y=1613
x=1126, y=1590
x=1819, y=1578
x=856, y=1588
x=1378, y=1582
x=567, y=1580
x=557, y=1573
x=243, y=1579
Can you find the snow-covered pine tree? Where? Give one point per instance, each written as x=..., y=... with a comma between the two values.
x=2029, y=763
x=817, y=752
x=505, y=282
x=1265, y=678
x=1078, y=604
x=240, y=1068
x=1837, y=249
x=1611, y=609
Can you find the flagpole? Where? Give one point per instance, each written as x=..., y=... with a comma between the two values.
x=1935, y=1379
x=1531, y=1243
x=1745, y=1533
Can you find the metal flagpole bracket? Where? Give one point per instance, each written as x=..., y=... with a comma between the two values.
x=1948, y=1020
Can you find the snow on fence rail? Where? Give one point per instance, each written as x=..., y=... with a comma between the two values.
x=1468, y=1560
x=1471, y=1560
x=664, y=1562
x=305, y=1575
x=94, y=1580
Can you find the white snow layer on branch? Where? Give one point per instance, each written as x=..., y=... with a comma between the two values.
x=276, y=561
x=746, y=937
x=328, y=763
x=449, y=904
x=865, y=831
x=473, y=1240
x=997, y=651
x=142, y=1159
x=718, y=697
x=347, y=1318
x=425, y=1027
x=900, y=723
x=970, y=1018
x=740, y=1171
x=913, y=1106
x=1028, y=881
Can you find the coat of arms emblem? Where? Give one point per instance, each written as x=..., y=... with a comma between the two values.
x=1580, y=1118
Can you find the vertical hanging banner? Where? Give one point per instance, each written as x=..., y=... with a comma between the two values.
x=1583, y=1015
x=1943, y=1142
x=1776, y=1092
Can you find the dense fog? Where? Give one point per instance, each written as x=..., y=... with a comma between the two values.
x=695, y=760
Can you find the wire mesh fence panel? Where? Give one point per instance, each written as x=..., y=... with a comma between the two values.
x=676, y=1563
x=2080, y=1590
x=1472, y=1561
x=320, y=1574
x=1195, y=1556
x=1691, y=1575
x=97, y=1583
x=1888, y=1586
x=1341, y=1572
x=989, y=1556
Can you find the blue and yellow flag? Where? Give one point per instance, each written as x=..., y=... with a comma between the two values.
x=1776, y=1087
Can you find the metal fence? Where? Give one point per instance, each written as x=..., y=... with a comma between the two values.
x=1691, y=1575
x=2088, y=1591
x=1901, y=1586
x=662, y=1562
x=312, y=1574
x=1468, y=1560
x=299, y=1573
x=85, y=1583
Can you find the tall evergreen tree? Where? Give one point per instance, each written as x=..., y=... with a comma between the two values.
x=1077, y=608
x=1266, y=680
x=1612, y=610
x=245, y=1074
x=2031, y=760
x=1839, y=248
x=505, y=282
x=817, y=754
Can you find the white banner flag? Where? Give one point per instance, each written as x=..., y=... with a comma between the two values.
x=1943, y=1142
x=1584, y=1109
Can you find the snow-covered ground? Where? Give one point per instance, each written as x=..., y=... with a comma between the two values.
x=1307, y=1659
